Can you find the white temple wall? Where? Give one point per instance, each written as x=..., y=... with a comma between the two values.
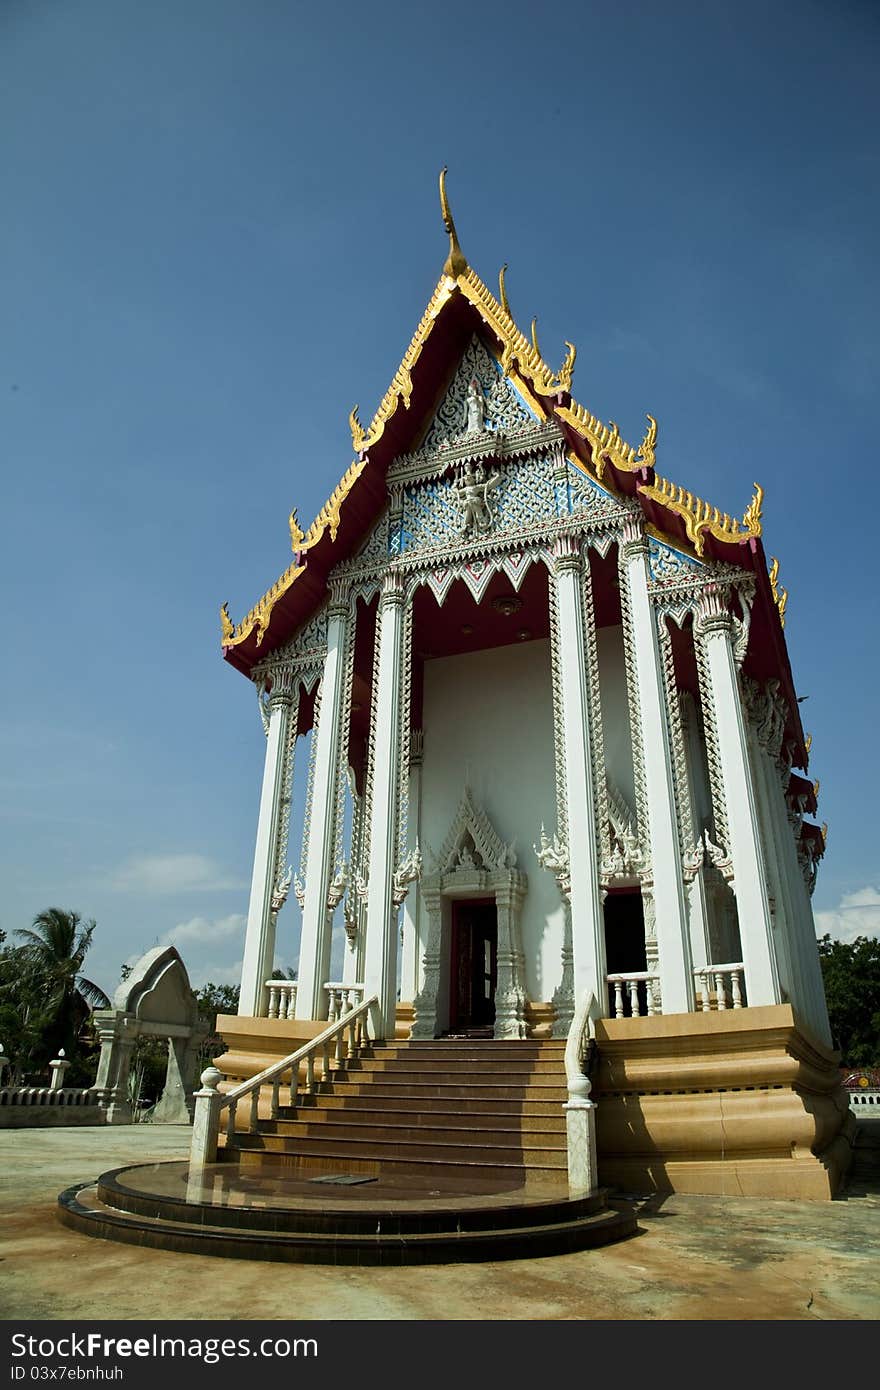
x=615, y=712
x=488, y=723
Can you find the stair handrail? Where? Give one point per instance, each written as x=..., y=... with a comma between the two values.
x=580, y=1111
x=210, y=1102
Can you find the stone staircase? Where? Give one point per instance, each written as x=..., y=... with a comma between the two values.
x=411, y=1153
x=489, y=1109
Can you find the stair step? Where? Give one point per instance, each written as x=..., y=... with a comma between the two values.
x=489, y=1168
x=393, y=1086
x=429, y=1132
x=393, y=1147
x=474, y=1110
x=360, y=1112
x=504, y=1232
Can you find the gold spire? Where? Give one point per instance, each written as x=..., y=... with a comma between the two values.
x=502, y=290
x=455, y=262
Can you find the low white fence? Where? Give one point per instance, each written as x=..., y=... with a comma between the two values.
x=342, y=998
x=634, y=994
x=720, y=986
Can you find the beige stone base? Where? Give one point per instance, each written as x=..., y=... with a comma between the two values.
x=740, y=1102
x=539, y=1019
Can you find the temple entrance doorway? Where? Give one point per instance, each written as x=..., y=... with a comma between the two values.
x=473, y=966
x=625, y=943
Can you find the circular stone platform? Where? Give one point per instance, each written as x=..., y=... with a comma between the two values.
x=337, y=1218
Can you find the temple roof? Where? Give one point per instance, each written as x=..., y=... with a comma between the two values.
x=460, y=305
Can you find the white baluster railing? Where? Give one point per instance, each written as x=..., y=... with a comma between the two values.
x=342, y=999
x=721, y=986
x=580, y=1111
x=282, y=998
x=628, y=985
x=340, y=1040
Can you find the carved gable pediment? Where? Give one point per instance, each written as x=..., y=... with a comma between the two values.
x=478, y=397
x=473, y=842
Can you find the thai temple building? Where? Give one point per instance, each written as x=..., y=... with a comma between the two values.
x=541, y=701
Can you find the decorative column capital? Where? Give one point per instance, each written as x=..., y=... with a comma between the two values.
x=713, y=611
x=567, y=554
x=393, y=591
x=339, y=604
x=634, y=542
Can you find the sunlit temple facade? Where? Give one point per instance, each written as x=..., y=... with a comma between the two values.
x=541, y=701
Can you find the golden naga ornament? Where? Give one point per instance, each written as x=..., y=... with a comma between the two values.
x=358, y=433
x=780, y=596
x=808, y=742
x=297, y=535
x=227, y=627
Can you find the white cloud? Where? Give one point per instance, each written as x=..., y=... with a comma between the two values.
x=857, y=914
x=215, y=975
x=171, y=873
x=199, y=929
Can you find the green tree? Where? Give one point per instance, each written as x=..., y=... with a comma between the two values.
x=851, y=971
x=45, y=989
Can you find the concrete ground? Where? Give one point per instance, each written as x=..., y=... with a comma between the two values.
x=695, y=1258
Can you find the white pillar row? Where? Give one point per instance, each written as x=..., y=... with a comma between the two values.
x=259, y=943
x=713, y=627
x=315, y=942
x=410, y=956
x=673, y=933
x=380, y=957
x=587, y=922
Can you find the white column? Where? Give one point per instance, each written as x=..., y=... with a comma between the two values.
x=587, y=924
x=713, y=628
x=673, y=936
x=701, y=947
x=803, y=925
x=409, y=964
x=315, y=942
x=259, y=943
x=380, y=958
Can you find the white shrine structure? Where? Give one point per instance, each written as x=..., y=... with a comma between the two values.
x=551, y=729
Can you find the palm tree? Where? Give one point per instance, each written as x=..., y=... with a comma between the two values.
x=54, y=948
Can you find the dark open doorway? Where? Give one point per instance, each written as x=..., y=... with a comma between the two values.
x=625, y=942
x=473, y=966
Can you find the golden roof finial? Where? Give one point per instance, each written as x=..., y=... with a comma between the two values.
x=647, y=454
x=808, y=742
x=816, y=789
x=824, y=832
x=297, y=535
x=358, y=434
x=535, y=336
x=566, y=371
x=227, y=628
x=455, y=262
x=502, y=290
x=752, y=513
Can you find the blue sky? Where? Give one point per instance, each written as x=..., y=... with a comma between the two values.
x=220, y=229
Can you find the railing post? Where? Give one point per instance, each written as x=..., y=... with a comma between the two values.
x=58, y=1067
x=206, y=1120
x=580, y=1131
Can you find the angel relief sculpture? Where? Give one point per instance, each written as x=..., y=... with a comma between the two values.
x=472, y=494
